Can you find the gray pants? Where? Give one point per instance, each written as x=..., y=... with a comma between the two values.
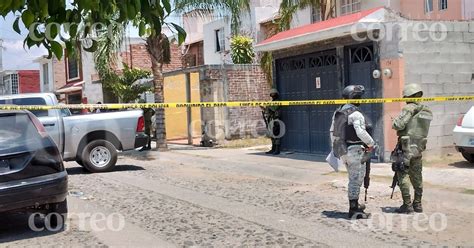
x=355, y=170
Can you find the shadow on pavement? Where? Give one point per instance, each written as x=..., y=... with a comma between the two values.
x=462, y=164
x=389, y=210
x=296, y=156
x=80, y=170
x=335, y=215
x=15, y=226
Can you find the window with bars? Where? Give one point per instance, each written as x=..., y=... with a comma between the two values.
x=72, y=69
x=350, y=6
x=315, y=14
x=15, y=84
x=443, y=4
x=428, y=6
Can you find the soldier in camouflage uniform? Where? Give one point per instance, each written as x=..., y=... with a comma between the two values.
x=272, y=119
x=147, y=115
x=357, y=142
x=412, y=126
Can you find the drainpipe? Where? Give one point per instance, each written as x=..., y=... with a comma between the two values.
x=189, y=109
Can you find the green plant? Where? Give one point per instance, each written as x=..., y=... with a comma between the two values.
x=126, y=86
x=242, y=49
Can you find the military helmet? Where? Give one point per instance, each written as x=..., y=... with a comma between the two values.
x=353, y=92
x=411, y=89
x=274, y=91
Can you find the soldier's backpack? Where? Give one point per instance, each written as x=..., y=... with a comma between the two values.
x=339, y=145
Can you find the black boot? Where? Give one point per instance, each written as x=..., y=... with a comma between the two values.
x=272, y=150
x=417, y=207
x=405, y=209
x=277, y=150
x=356, y=210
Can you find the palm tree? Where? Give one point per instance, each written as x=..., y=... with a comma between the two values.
x=288, y=9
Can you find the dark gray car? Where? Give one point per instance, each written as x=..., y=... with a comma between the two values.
x=32, y=174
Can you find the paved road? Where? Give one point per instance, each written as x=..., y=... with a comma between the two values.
x=240, y=197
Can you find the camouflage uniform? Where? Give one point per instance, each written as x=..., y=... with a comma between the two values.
x=272, y=117
x=412, y=126
x=355, y=154
x=412, y=147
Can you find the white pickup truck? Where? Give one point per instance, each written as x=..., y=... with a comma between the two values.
x=91, y=140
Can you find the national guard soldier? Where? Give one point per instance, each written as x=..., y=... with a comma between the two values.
x=352, y=143
x=412, y=126
x=271, y=115
x=147, y=115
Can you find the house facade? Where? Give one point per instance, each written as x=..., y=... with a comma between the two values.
x=19, y=82
x=382, y=50
x=76, y=81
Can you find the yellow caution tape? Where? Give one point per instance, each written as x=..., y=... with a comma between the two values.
x=235, y=104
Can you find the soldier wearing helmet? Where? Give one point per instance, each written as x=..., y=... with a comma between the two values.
x=350, y=141
x=148, y=113
x=412, y=126
x=271, y=115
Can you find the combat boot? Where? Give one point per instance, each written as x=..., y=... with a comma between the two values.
x=277, y=150
x=417, y=207
x=272, y=150
x=417, y=204
x=356, y=211
x=405, y=209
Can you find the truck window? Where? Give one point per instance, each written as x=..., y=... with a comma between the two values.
x=28, y=101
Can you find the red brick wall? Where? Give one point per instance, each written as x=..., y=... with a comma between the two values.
x=137, y=56
x=59, y=71
x=247, y=83
x=195, y=55
x=29, y=81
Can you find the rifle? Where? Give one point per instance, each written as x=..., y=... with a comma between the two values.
x=397, y=165
x=394, y=184
x=367, y=171
x=265, y=118
x=367, y=178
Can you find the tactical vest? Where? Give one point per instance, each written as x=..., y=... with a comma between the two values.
x=344, y=133
x=419, y=124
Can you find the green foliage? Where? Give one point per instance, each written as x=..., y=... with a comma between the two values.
x=242, y=49
x=288, y=9
x=266, y=63
x=79, y=19
x=125, y=86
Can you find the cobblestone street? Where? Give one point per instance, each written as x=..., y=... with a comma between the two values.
x=240, y=197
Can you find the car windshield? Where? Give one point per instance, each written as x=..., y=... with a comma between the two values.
x=17, y=133
x=28, y=101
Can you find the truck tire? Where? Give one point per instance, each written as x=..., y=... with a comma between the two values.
x=79, y=162
x=99, y=156
x=469, y=157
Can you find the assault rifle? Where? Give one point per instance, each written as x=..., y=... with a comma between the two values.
x=398, y=164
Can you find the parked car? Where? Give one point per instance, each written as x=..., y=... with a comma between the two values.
x=32, y=174
x=91, y=140
x=464, y=135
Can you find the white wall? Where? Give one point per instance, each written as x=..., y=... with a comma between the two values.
x=93, y=91
x=211, y=57
x=50, y=86
x=301, y=18
x=468, y=9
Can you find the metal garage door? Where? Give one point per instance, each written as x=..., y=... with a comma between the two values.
x=312, y=76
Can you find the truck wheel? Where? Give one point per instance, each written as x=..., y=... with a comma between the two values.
x=56, y=216
x=99, y=156
x=469, y=157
